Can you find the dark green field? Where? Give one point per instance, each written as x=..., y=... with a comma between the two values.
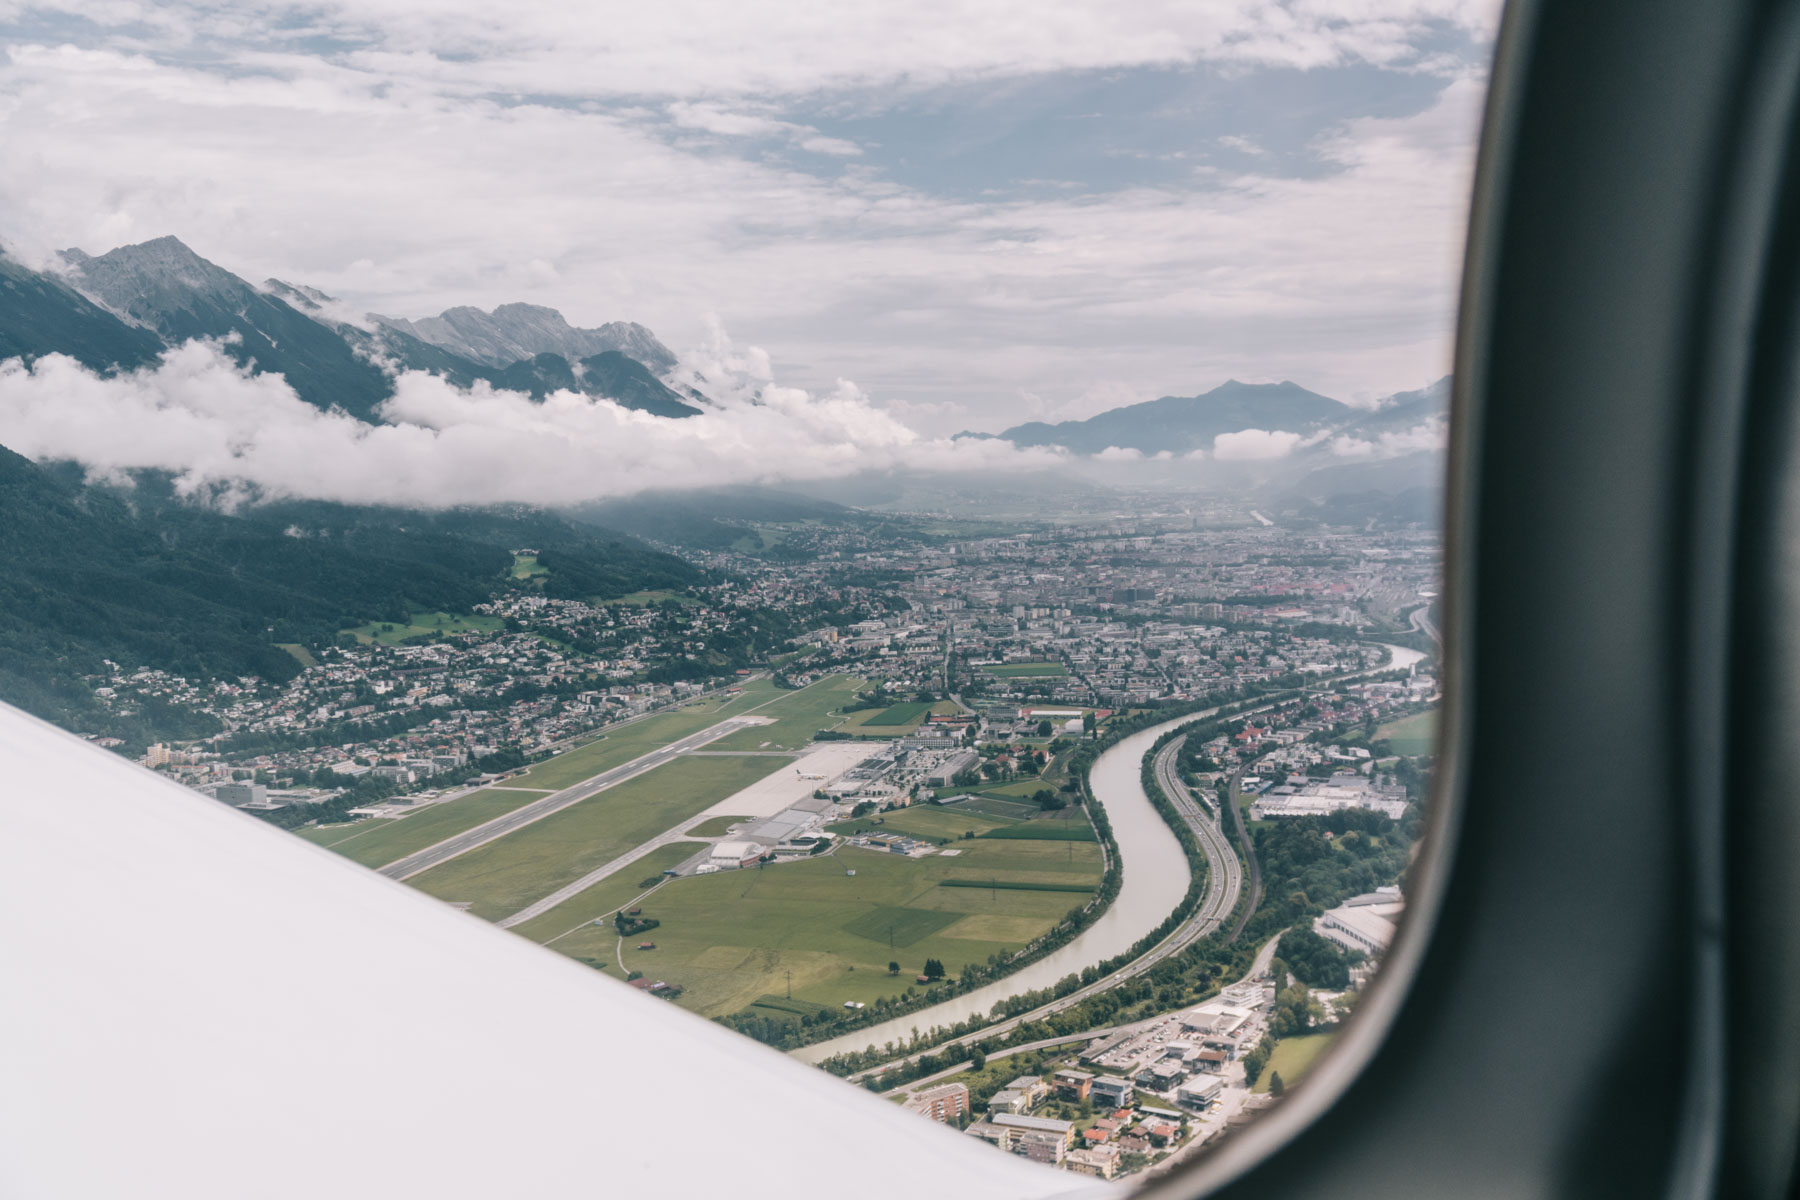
x=1044, y=831
x=899, y=714
x=1014, y=885
x=735, y=938
x=1026, y=670
x=899, y=926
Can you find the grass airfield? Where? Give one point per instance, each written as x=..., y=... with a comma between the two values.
x=733, y=937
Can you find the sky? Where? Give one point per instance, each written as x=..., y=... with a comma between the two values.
x=979, y=213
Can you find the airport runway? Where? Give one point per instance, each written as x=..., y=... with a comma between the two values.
x=537, y=810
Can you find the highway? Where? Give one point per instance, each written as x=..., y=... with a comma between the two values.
x=1420, y=619
x=1224, y=873
x=537, y=810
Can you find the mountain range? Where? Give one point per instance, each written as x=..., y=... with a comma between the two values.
x=1183, y=424
x=122, y=308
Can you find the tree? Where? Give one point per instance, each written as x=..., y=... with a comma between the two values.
x=977, y=1059
x=1255, y=1061
x=1276, y=1087
x=933, y=969
x=893, y=968
x=1043, y=728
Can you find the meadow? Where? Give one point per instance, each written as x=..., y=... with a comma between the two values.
x=528, y=864
x=736, y=936
x=1411, y=736
x=605, y=898
x=621, y=745
x=798, y=715
x=1293, y=1058
x=896, y=720
x=378, y=841
x=1026, y=669
x=922, y=821
x=900, y=714
x=640, y=599
x=391, y=633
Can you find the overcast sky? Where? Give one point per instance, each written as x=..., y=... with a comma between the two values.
x=980, y=214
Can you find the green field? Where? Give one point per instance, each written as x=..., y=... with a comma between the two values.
x=390, y=633
x=922, y=821
x=899, y=927
x=526, y=565
x=525, y=866
x=639, y=599
x=1015, y=885
x=994, y=806
x=899, y=714
x=715, y=826
x=1410, y=736
x=1294, y=1057
x=621, y=745
x=798, y=716
x=1044, y=831
x=1026, y=669
x=605, y=898
x=734, y=937
x=325, y=835
x=300, y=653
x=907, y=717
x=377, y=841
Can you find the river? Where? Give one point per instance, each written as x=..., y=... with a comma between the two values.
x=1155, y=879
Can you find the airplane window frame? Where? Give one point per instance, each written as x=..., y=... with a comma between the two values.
x=1626, y=243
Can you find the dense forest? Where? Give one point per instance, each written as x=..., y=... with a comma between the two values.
x=143, y=577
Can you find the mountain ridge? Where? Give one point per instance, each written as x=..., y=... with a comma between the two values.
x=515, y=332
x=1184, y=424
x=142, y=298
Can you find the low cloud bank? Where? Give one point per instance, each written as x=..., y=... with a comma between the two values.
x=1429, y=435
x=1269, y=445
x=1256, y=445
x=232, y=435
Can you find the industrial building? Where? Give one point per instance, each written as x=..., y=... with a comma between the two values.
x=1366, y=923
x=1304, y=797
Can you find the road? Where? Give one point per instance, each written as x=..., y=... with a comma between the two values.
x=1224, y=874
x=995, y=1055
x=537, y=810
x=1420, y=618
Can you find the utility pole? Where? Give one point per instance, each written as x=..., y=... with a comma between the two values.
x=790, y=985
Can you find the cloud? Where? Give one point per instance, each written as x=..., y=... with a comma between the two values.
x=223, y=431
x=1255, y=445
x=830, y=145
x=1431, y=435
x=410, y=156
x=714, y=48
x=1120, y=454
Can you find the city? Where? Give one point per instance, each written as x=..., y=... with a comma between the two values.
x=895, y=814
